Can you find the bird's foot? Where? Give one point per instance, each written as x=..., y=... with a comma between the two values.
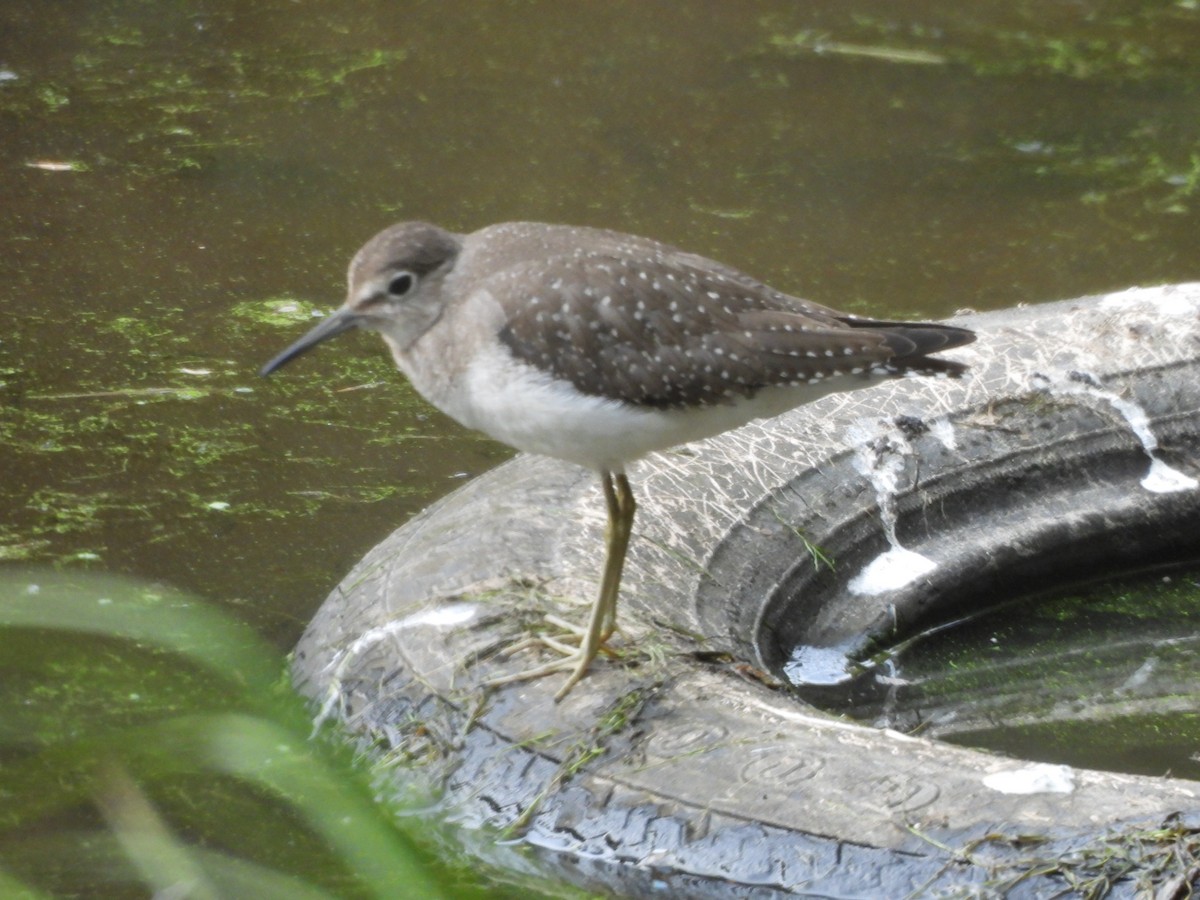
x=572, y=643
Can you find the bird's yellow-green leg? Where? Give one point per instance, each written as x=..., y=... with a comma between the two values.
x=621, y=508
x=602, y=622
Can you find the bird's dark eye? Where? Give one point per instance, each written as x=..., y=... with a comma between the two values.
x=401, y=284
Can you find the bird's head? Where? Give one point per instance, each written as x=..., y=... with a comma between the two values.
x=394, y=287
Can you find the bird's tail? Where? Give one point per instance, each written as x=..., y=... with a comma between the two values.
x=912, y=342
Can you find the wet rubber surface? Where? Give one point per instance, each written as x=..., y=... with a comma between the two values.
x=1069, y=446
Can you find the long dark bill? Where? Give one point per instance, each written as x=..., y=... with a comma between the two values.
x=336, y=323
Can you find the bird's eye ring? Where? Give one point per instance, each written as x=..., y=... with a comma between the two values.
x=401, y=284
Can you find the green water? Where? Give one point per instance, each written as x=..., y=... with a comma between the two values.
x=1102, y=676
x=184, y=181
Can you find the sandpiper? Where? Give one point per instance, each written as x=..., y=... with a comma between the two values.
x=598, y=348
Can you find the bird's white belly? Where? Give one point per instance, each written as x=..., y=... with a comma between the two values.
x=518, y=405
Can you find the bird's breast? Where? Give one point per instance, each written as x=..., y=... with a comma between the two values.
x=534, y=411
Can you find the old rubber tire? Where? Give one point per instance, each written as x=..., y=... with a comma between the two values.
x=1071, y=445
